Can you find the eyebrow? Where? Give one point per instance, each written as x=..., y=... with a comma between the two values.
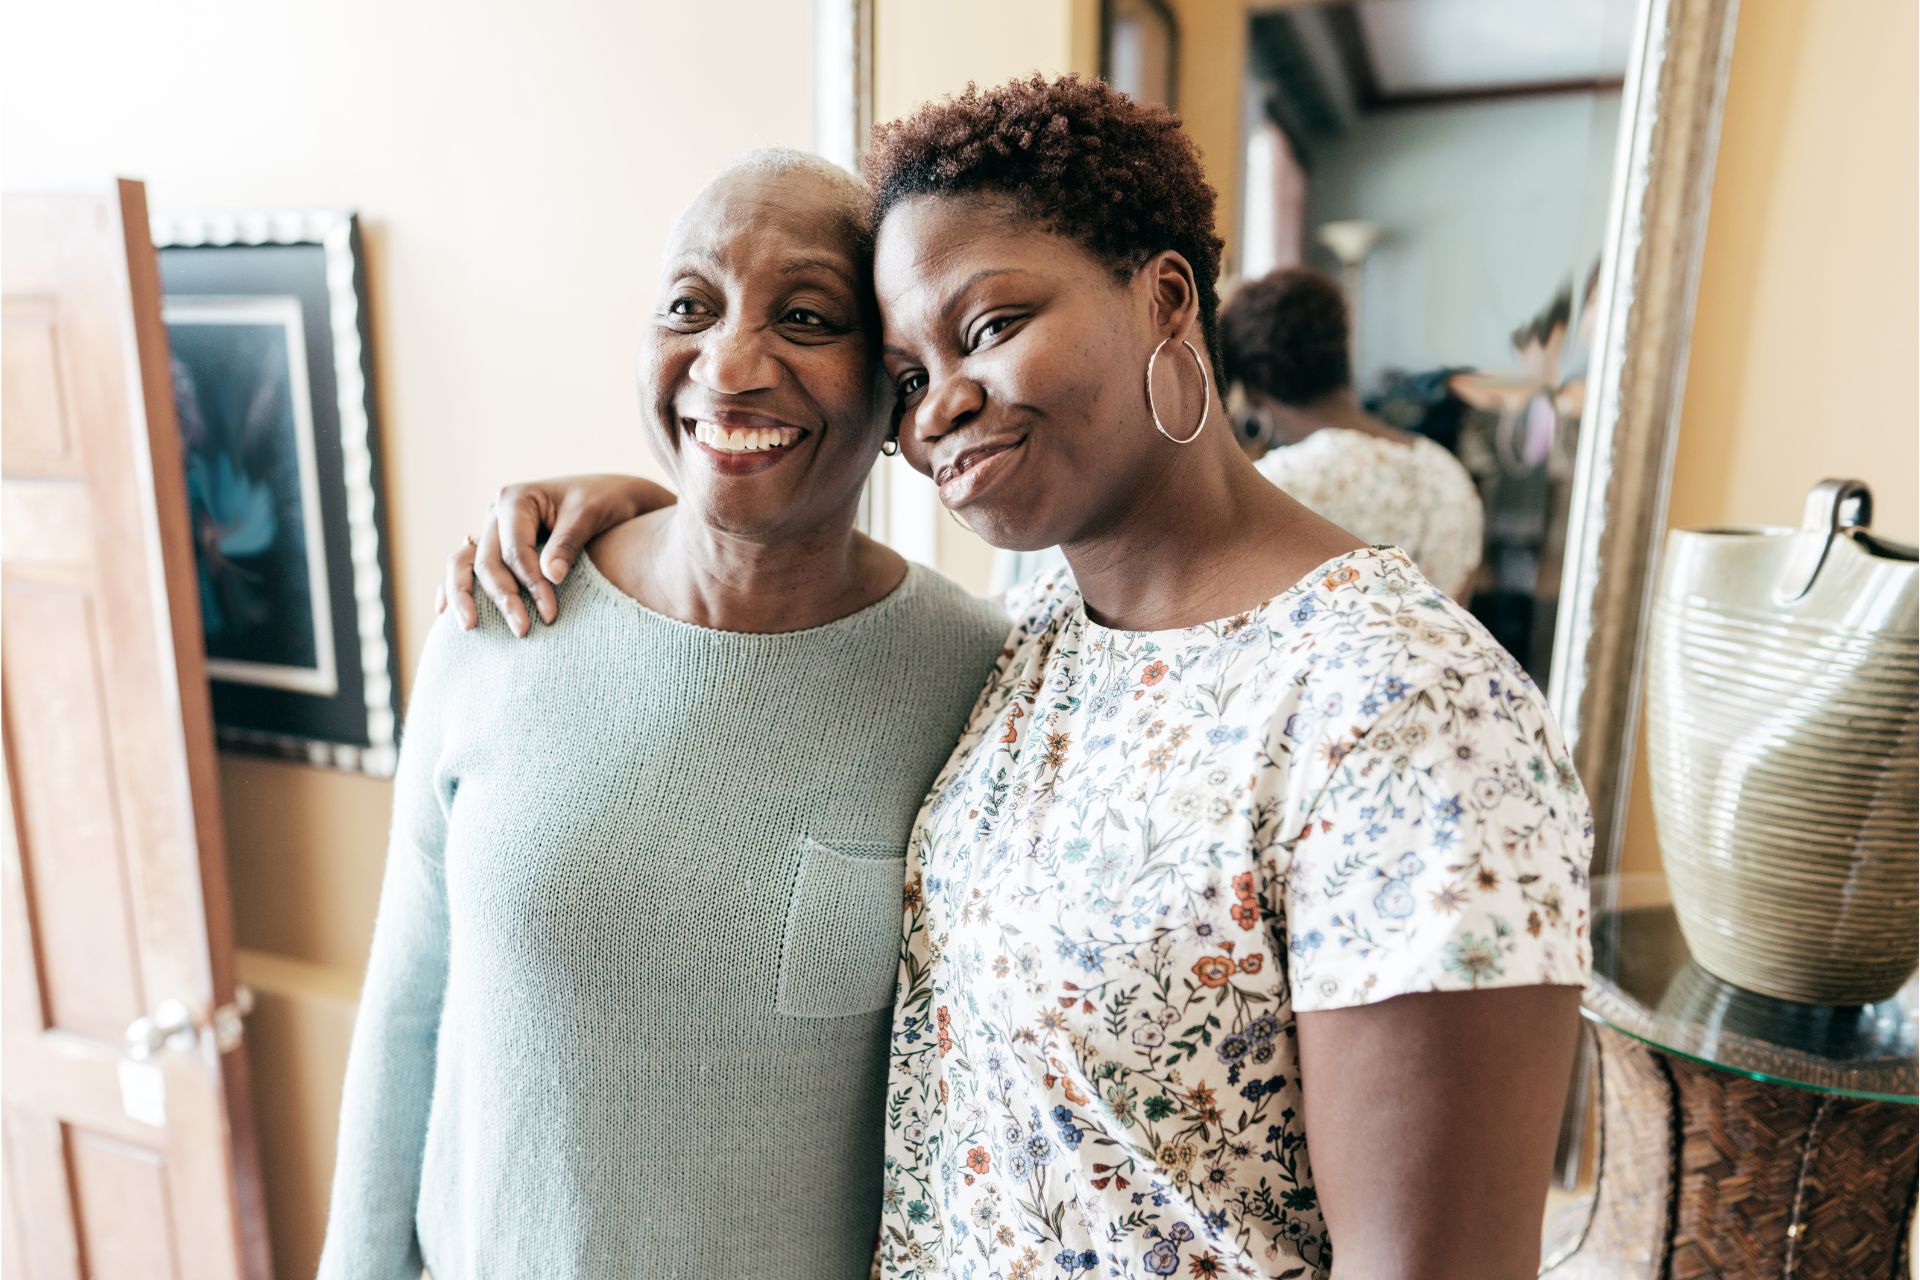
x=799, y=265
x=953, y=299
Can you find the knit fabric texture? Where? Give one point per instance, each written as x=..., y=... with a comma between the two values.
x=627, y=1008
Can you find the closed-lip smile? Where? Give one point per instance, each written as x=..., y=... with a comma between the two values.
x=975, y=468
x=972, y=456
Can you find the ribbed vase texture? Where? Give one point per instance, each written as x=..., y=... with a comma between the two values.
x=1781, y=741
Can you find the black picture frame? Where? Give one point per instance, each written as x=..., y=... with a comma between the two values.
x=272, y=360
x=1140, y=50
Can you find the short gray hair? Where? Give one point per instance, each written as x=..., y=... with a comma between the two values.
x=851, y=198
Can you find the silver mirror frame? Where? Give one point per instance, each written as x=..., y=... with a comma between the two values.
x=1656, y=234
x=1675, y=91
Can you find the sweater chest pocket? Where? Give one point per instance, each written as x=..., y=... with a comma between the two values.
x=841, y=953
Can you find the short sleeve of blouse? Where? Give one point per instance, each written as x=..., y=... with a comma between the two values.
x=1447, y=850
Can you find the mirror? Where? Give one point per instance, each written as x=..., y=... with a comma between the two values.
x=1449, y=163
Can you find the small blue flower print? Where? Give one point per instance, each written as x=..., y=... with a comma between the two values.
x=1395, y=901
x=1163, y=1259
x=917, y=1211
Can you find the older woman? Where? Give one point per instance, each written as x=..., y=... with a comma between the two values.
x=1246, y=921
x=627, y=1008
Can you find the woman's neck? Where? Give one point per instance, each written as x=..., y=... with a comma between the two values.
x=1204, y=537
x=677, y=564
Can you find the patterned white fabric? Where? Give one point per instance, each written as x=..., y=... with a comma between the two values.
x=1149, y=852
x=1413, y=495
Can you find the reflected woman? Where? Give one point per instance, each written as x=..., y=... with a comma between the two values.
x=627, y=1007
x=1286, y=341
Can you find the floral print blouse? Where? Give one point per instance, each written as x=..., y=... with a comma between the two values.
x=1148, y=853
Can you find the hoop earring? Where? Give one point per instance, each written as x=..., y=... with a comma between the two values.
x=890, y=446
x=1206, y=391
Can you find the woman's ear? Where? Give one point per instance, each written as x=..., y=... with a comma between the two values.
x=1173, y=296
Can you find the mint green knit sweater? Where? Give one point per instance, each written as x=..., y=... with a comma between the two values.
x=626, y=1012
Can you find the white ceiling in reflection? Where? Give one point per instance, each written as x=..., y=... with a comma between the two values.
x=1441, y=46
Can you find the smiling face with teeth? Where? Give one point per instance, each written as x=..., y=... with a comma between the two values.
x=758, y=370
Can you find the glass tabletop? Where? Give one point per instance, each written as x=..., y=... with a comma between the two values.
x=1646, y=985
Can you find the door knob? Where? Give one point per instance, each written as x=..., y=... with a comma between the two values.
x=173, y=1026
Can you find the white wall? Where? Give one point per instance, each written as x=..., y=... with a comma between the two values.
x=517, y=167
x=1489, y=207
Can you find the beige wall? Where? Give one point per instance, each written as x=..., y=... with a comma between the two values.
x=1803, y=357
x=517, y=167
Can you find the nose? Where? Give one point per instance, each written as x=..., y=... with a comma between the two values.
x=947, y=406
x=735, y=359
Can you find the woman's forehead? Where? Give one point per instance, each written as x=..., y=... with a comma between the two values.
x=782, y=221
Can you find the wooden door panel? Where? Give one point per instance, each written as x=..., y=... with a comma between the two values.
x=31, y=395
x=65, y=811
x=40, y=1195
x=121, y=1199
x=115, y=871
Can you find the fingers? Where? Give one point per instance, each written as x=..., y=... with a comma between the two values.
x=498, y=582
x=456, y=592
x=574, y=527
x=519, y=522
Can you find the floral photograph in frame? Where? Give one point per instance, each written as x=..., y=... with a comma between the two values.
x=271, y=362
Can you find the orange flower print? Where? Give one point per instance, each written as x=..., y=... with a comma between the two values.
x=978, y=1160
x=1341, y=577
x=1252, y=963
x=1154, y=673
x=1245, y=914
x=943, y=1022
x=1213, y=971
x=1243, y=886
x=1013, y=715
x=1057, y=744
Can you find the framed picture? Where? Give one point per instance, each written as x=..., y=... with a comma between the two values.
x=273, y=383
x=1140, y=50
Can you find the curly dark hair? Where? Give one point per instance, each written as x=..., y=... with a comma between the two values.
x=1077, y=157
x=1286, y=335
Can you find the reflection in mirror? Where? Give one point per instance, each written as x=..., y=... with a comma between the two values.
x=1450, y=161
